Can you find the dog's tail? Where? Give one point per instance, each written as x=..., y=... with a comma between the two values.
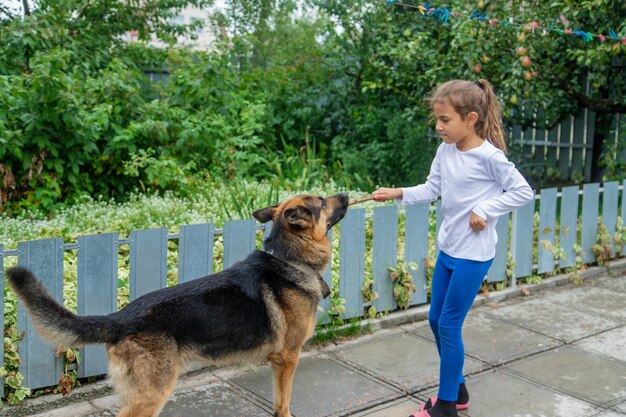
x=55, y=323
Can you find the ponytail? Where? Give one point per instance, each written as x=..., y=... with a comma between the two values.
x=491, y=128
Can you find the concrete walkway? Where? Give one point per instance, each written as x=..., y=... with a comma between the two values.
x=558, y=352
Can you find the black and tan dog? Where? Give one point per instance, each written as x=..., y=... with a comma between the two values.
x=262, y=308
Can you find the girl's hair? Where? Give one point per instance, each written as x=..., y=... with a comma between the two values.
x=466, y=97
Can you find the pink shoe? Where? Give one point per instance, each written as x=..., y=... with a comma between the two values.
x=433, y=400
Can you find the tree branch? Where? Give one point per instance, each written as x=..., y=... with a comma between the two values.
x=598, y=105
x=26, y=8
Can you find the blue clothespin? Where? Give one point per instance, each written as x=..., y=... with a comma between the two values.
x=613, y=35
x=442, y=15
x=478, y=15
x=586, y=36
x=390, y=2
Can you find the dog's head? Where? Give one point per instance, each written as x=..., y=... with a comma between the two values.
x=300, y=227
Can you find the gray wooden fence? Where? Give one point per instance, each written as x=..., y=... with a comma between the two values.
x=566, y=148
x=569, y=215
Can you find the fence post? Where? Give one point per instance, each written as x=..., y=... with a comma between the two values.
x=416, y=247
x=497, y=272
x=352, y=261
x=610, y=198
x=148, y=261
x=195, y=251
x=97, y=292
x=2, y=319
x=239, y=240
x=39, y=365
x=569, y=225
x=589, y=233
x=522, y=240
x=547, y=223
x=623, y=212
x=385, y=255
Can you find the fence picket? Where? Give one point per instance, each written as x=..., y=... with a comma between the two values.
x=39, y=365
x=589, y=230
x=97, y=292
x=416, y=247
x=148, y=261
x=578, y=144
x=522, y=239
x=591, y=127
x=327, y=277
x=623, y=249
x=547, y=223
x=610, y=198
x=352, y=261
x=2, y=319
x=497, y=272
x=439, y=214
x=553, y=147
x=385, y=255
x=568, y=225
x=239, y=240
x=195, y=256
x=565, y=148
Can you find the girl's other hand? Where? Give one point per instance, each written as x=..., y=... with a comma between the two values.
x=384, y=194
x=477, y=223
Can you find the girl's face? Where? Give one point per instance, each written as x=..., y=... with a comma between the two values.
x=451, y=127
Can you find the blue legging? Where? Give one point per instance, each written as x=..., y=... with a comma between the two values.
x=454, y=286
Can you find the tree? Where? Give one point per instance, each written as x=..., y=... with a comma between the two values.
x=69, y=87
x=530, y=50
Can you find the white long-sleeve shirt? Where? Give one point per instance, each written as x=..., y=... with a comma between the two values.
x=481, y=180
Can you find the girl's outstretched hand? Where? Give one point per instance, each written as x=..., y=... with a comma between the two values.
x=476, y=222
x=384, y=194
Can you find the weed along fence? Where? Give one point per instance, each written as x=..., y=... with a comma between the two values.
x=542, y=237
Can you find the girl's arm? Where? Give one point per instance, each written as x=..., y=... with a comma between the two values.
x=517, y=191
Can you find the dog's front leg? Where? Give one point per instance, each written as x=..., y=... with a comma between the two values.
x=284, y=365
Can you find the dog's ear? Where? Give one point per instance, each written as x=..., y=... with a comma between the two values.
x=266, y=214
x=299, y=216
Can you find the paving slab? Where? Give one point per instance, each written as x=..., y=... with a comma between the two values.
x=590, y=299
x=554, y=320
x=500, y=394
x=398, y=408
x=489, y=339
x=611, y=344
x=216, y=400
x=610, y=414
x=69, y=410
x=613, y=283
x=620, y=408
x=322, y=387
x=594, y=378
x=405, y=360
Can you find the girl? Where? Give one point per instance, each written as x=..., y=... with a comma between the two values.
x=477, y=184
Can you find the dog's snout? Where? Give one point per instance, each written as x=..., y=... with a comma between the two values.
x=342, y=200
x=340, y=207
